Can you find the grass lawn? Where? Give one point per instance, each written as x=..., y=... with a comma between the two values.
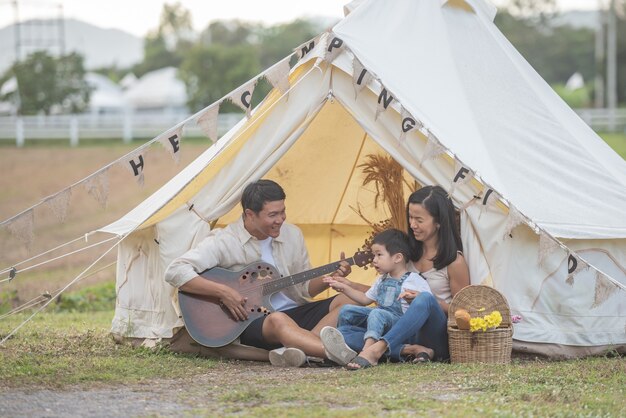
x=70, y=351
x=617, y=141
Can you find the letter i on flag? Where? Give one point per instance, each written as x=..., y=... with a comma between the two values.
x=360, y=76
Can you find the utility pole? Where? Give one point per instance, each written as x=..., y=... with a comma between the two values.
x=599, y=57
x=611, y=64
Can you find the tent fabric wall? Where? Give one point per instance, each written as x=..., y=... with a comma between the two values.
x=313, y=138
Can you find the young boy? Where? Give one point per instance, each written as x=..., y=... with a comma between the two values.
x=391, y=250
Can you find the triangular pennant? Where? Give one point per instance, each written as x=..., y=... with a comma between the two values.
x=135, y=164
x=514, y=219
x=604, y=289
x=97, y=185
x=433, y=148
x=547, y=245
x=334, y=46
x=171, y=142
x=574, y=265
x=469, y=203
x=278, y=75
x=302, y=50
x=21, y=227
x=207, y=121
x=462, y=175
x=361, y=77
x=60, y=203
x=408, y=123
x=242, y=97
x=489, y=199
x=384, y=101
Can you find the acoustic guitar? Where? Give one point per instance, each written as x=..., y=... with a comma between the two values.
x=211, y=324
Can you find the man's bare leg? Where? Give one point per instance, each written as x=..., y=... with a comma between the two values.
x=279, y=328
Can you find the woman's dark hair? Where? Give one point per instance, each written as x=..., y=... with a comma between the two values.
x=395, y=242
x=440, y=207
x=256, y=194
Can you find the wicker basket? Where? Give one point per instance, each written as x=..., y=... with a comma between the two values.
x=491, y=346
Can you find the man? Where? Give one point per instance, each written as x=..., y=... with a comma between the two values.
x=262, y=234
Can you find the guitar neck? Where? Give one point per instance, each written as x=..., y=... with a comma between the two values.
x=276, y=285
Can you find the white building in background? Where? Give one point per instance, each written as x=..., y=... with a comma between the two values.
x=158, y=91
x=9, y=86
x=106, y=96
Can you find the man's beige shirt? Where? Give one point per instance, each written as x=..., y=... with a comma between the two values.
x=233, y=248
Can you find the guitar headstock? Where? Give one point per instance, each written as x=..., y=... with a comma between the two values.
x=363, y=258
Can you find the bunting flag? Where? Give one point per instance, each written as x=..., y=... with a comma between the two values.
x=462, y=176
x=333, y=48
x=97, y=185
x=384, y=101
x=21, y=227
x=361, y=77
x=547, y=245
x=408, y=123
x=171, y=142
x=242, y=97
x=60, y=203
x=490, y=199
x=514, y=219
x=207, y=121
x=604, y=289
x=433, y=148
x=135, y=164
x=574, y=265
x=307, y=47
x=469, y=203
x=278, y=75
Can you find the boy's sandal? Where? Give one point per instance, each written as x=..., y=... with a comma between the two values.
x=421, y=357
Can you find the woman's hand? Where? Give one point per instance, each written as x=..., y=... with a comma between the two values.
x=408, y=295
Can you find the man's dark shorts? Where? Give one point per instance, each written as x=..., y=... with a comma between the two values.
x=306, y=316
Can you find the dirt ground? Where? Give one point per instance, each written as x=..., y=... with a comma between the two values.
x=150, y=398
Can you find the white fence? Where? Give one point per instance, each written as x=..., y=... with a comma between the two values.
x=88, y=126
x=148, y=125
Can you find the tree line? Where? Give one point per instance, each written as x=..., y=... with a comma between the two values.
x=226, y=54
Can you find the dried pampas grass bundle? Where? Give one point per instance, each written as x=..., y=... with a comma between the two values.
x=389, y=180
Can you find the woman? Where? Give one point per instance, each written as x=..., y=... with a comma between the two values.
x=437, y=255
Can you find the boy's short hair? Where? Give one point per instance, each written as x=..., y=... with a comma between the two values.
x=395, y=241
x=257, y=193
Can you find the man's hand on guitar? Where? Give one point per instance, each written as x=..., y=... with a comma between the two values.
x=344, y=269
x=234, y=302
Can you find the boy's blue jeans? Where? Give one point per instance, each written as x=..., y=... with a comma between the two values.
x=376, y=321
x=423, y=323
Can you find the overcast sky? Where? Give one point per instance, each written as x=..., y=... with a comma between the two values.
x=140, y=16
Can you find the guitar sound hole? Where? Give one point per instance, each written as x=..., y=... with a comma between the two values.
x=254, y=274
x=244, y=277
x=258, y=309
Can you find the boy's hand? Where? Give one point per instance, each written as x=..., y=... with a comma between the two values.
x=338, y=283
x=408, y=295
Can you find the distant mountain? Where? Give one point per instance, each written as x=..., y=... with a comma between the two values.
x=99, y=46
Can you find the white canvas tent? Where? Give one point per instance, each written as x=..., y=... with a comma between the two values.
x=485, y=126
